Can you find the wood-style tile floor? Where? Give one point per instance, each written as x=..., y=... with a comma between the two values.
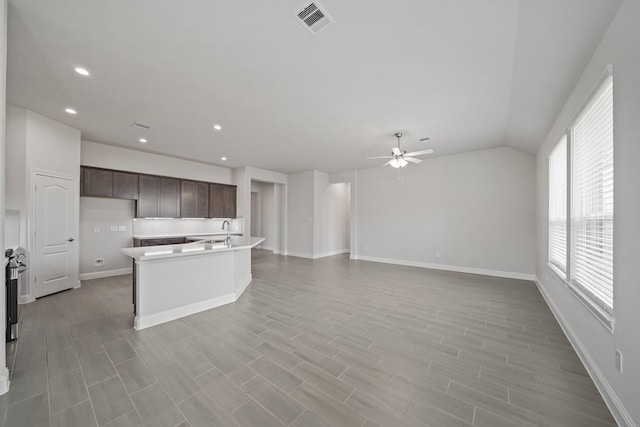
x=330, y=342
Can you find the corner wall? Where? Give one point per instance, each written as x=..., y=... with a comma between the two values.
x=595, y=344
x=36, y=143
x=472, y=212
x=4, y=372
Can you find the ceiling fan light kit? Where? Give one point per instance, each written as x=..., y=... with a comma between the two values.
x=400, y=158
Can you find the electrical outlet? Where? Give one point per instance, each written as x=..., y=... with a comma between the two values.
x=437, y=254
x=619, y=360
x=96, y=229
x=98, y=262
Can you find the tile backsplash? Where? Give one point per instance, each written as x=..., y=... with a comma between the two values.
x=182, y=227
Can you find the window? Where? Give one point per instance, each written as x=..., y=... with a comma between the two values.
x=584, y=159
x=558, y=207
x=591, y=137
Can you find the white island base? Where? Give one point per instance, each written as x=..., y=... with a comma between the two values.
x=175, y=281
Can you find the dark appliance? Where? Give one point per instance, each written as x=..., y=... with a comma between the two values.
x=16, y=265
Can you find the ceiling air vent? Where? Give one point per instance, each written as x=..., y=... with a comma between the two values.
x=313, y=17
x=141, y=126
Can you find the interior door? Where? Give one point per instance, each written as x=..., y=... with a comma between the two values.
x=55, y=240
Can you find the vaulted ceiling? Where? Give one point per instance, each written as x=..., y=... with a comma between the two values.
x=469, y=74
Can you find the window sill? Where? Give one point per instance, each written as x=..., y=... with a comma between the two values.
x=603, y=316
x=560, y=275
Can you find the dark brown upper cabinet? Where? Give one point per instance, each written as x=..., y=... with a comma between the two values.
x=97, y=182
x=222, y=201
x=158, y=197
x=125, y=185
x=148, y=195
x=194, y=199
x=229, y=210
x=161, y=196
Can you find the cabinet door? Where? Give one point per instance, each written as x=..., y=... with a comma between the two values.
x=97, y=182
x=194, y=199
x=229, y=202
x=202, y=200
x=125, y=185
x=169, y=198
x=148, y=196
x=188, y=199
x=216, y=201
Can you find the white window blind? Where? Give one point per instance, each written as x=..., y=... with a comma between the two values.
x=591, y=267
x=558, y=206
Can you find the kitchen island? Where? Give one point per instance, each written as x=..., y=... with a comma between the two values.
x=174, y=281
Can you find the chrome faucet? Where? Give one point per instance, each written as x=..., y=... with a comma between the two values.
x=227, y=240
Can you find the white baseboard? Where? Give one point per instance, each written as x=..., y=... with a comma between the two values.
x=176, y=313
x=25, y=299
x=619, y=412
x=299, y=254
x=321, y=255
x=106, y=273
x=331, y=253
x=4, y=380
x=456, y=268
x=267, y=248
x=243, y=288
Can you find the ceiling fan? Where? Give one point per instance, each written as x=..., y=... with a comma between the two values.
x=400, y=158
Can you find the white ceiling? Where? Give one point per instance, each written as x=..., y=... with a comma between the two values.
x=470, y=74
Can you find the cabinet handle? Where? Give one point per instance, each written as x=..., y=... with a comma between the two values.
x=70, y=239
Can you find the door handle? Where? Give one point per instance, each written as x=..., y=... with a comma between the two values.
x=70, y=239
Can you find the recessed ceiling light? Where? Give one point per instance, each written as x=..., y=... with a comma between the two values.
x=217, y=127
x=70, y=111
x=142, y=140
x=82, y=71
x=224, y=159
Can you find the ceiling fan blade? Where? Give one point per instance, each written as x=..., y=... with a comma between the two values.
x=412, y=160
x=380, y=157
x=396, y=151
x=387, y=163
x=419, y=153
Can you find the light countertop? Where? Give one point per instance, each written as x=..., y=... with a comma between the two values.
x=148, y=253
x=190, y=236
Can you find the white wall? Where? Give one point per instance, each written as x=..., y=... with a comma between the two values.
x=300, y=211
x=4, y=372
x=16, y=166
x=318, y=215
x=107, y=156
x=268, y=218
x=335, y=239
x=52, y=145
x=468, y=212
x=243, y=178
x=97, y=240
x=594, y=342
x=34, y=142
x=321, y=226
